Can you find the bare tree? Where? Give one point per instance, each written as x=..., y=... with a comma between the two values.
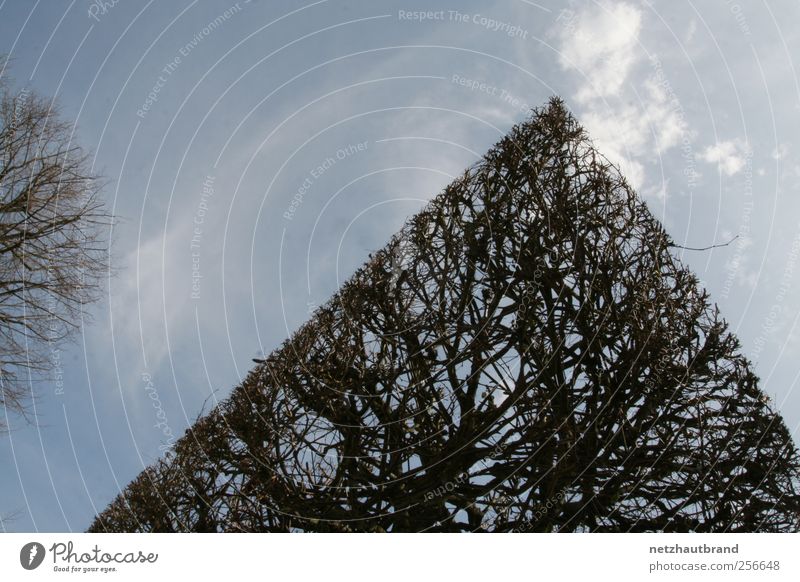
x=526, y=355
x=52, y=246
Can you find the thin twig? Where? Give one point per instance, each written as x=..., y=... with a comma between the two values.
x=705, y=248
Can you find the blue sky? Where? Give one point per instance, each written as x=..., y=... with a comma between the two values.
x=256, y=152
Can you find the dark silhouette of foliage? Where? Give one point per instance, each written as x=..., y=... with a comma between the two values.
x=52, y=247
x=525, y=355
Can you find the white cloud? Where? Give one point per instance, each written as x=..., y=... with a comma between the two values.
x=691, y=31
x=630, y=132
x=618, y=136
x=662, y=115
x=600, y=42
x=780, y=152
x=657, y=191
x=728, y=155
x=631, y=120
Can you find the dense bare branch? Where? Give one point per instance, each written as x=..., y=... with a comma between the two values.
x=52, y=246
x=526, y=355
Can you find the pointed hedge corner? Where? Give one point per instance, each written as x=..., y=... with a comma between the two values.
x=525, y=355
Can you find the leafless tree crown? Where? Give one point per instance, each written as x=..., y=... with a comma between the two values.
x=52, y=226
x=525, y=355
